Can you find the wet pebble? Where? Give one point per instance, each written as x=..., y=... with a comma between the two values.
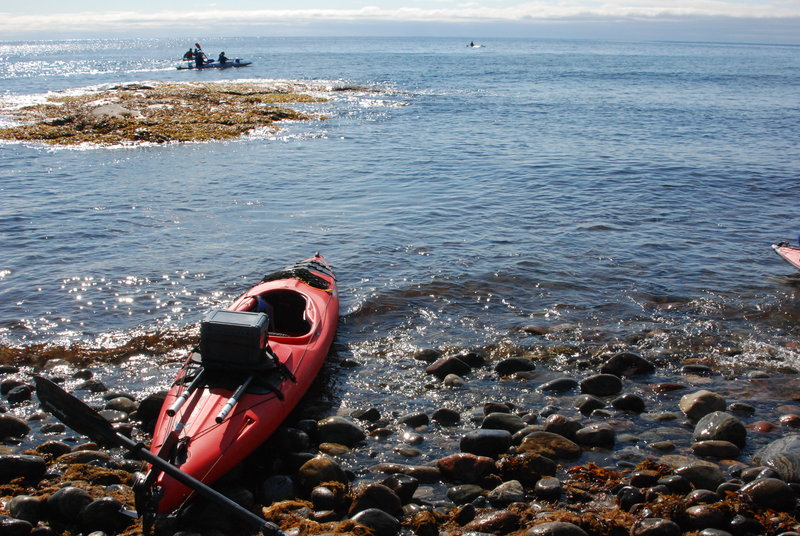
x=586, y=404
x=446, y=416
x=464, y=493
x=104, y=514
x=655, y=527
x=561, y=425
x=626, y=364
x=503, y=421
x=559, y=385
x=21, y=465
x=548, y=488
x=494, y=522
x=318, y=470
x=378, y=521
x=67, y=503
x=448, y=365
x=514, y=364
x=599, y=435
x=702, y=517
x=629, y=402
x=453, y=380
x=720, y=426
x=465, y=467
x=702, y=475
x=368, y=415
x=11, y=426
x=550, y=445
x=339, y=429
x=771, y=493
x=26, y=507
x=14, y=527
x=506, y=493
x=556, y=528
x=414, y=420
x=19, y=394
x=601, y=385
x=486, y=442
x=701, y=403
x=375, y=495
x=715, y=449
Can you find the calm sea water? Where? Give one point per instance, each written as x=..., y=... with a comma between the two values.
x=620, y=195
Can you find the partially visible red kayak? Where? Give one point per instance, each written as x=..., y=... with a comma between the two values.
x=256, y=360
x=790, y=254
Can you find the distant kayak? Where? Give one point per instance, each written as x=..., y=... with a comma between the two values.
x=789, y=253
x=473, y=45
x=214, y=64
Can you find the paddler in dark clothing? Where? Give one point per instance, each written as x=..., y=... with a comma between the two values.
x=189, y=56
x=222, y=58
x=198, y=58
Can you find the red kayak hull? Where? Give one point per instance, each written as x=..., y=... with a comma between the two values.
x=206, y=449
x=790, y=254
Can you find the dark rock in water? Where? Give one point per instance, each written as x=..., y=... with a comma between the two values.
x=68, y=502
x=403, y=485
x=26, y=507
x=742, y=408
x=104, y=514
x=494, y=522
x=85, y=456
x=556, y=528
x=340, y=430
x=628, y=497
x=121, y=403
x=464, y=493
x=473, y=359
x=8, y=369
x=745, y=525
x=548, y=489
x=414, y=420
x=496, y=407
x=423, y=473
x=783, y=455
x=507, y=493
x=148, y=411
x=277, y=488
x=7, y=385
x=293, y=439
x=697, y=369
x=114, y=416
x=448, y=365
x=19, y=394
x=503, y=421
x=586, y=404
x=95, y=386
x=629, y=402
x=701, y=496
x=655, y=526
x=368, y=415
x=716, y=449
x=11, y=426
x=559, y=385
x=771, y=493
x=702, y=475
x=551, y=446
x=318, y=470
x=463, y=514
x=53, y=448
x=323, y=499
x=378, y=521
x=702, y=517
x=528, y=468
x=465, y=467
x=627, y=364
x=53, y=428
x=489, y=443
x=514, y=364
x=446, y=417
x=698, y=405
x=10, y=526
x=676, y=483
x=601, y=385
x=21, y=465
x=561, y=425
x=376, y=496
x=596, y=435
x=720, y=426
x=427, y=355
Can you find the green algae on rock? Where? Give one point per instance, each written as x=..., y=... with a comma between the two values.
x=156, y=113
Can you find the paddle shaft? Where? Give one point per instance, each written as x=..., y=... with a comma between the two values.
x=141, y=451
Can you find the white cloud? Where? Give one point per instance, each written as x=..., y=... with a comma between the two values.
x=466, y=12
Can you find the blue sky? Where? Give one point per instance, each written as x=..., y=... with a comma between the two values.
x=768, y=21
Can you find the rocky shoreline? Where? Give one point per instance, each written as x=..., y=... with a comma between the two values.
x=158, y=112
x=574, y=467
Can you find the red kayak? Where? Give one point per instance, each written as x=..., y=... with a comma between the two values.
x=790, y=254
x=256, y=360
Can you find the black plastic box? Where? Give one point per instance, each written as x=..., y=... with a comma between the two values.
x=233, y=339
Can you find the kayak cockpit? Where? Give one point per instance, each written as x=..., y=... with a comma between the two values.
x=287, y=310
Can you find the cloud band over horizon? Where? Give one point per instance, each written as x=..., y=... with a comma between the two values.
x=222, y=20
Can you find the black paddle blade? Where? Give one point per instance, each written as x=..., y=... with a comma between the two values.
x=74, y=413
